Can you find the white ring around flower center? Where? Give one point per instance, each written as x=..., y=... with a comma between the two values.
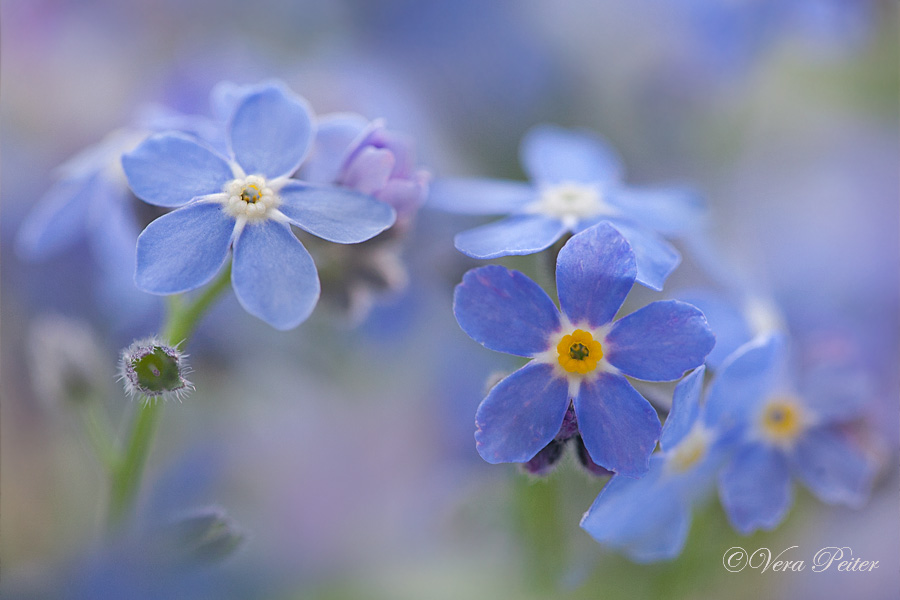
x=571, y=202
x=250, y=197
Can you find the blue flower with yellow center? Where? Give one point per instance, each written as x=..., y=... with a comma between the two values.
x=648, y=518
x=580, y=355
x=245, y=201
x=781, y=435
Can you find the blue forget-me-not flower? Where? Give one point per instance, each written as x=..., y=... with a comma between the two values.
x=580, y=355
x=783, y=434
x=649, y=518
x=245, y=201
x=575, y=183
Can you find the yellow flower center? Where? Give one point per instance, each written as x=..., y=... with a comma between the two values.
x=579, y=352
x=782, y=420
x=689, y=452
x=251, y=194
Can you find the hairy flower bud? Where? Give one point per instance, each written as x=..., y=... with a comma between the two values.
x=150, y=369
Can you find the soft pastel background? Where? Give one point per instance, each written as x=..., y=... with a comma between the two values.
x=345, y=451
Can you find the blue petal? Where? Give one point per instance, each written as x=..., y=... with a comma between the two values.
x=58, y=220
x=724, y=318
x=525, y=234
x=594, y=273
x=271, y=132
x=744, y=381
x=274, y=277
x=837, y=393
x=832, y=467
x=334, y=135
x=505, y=311
x=685, y=409
x=654, y=257
x=113, y=228
x=334, y=213
x=672, y=210
x=170, y=169
x=480, y=196
x=184, y=249
x=551, y=154
x=642, y=517
x=755, y=488
x=521, y=414
x=618, y=426
x=660, y=341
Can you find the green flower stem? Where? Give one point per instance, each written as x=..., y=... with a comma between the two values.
x=127, y=472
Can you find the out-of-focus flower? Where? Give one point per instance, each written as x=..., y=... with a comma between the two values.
x=152, y=369
x=782, y=435
x=580, y=356
x=204, y=535
x=246, y=201
x=649, y=518
x=575, y=184
x=351, y=152
x=66, y=361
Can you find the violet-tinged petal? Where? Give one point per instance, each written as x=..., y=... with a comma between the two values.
x=183, y=249
x=271, y=132
x=744, y=381
x=755, y=488
x=274, y=277
x=480, y=196
x=594, y=273
x=640, y=517
x=505, y=311
x=618, y=426
x=58, y=220
x=660, y=341
x=585, y=460
x=521, y=414
x=334, y=213
x=832, y=467
x=654, y=257
x=334, y=135
x=369, y=171
x=517, y=235
x=685, y=409
x=170, y=169
x=666, y=210
x=551, y=154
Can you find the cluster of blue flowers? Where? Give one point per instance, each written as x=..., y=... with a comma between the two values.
x=752, y=434
x=239, y=180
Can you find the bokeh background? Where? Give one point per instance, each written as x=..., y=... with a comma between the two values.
x=343, y=449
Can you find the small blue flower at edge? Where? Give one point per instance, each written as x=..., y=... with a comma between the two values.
x=649, y=518
x=247, y=202
x=575, y=184
x=579, y=355
x=782, y=434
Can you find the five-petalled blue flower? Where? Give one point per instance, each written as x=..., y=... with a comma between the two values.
x=575, y=184
x=579, y=355
x=245, y=201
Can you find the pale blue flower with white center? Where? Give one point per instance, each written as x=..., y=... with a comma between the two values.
x=782, y=435
x=575, y=183
x=245, y=201
x=580, y=354
x=649, y=518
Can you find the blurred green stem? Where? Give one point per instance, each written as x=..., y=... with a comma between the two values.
x=126, y=473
